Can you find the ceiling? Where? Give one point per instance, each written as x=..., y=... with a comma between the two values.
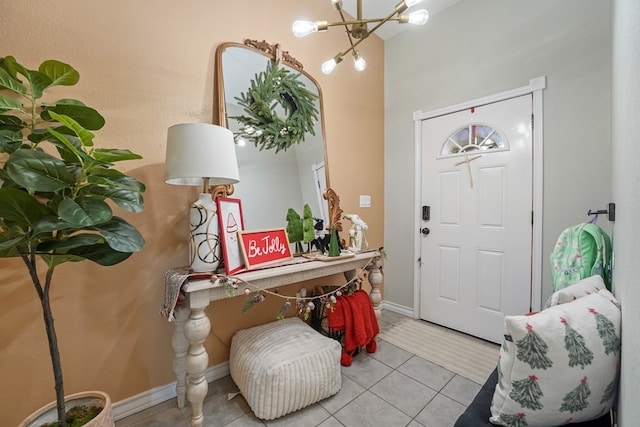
x=382, y=8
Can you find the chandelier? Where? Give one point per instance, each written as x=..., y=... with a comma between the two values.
x=359, y=29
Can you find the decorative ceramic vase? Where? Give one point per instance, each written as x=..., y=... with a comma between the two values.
x=204, y=242
x=49, y=412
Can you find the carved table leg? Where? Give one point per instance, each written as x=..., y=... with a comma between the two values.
x=197, y=329
x=375, y=279
x=180, y=346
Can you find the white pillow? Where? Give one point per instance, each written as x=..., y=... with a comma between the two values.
x=560, y=365
x=577, y=290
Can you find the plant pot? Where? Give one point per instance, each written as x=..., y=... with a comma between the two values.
x=49, y=413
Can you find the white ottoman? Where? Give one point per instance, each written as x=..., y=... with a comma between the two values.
x=284, y=366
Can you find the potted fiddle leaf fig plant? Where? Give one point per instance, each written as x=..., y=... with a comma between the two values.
x=54, y=188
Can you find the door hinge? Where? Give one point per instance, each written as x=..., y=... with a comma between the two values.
x=532, y=121
x=531, y=217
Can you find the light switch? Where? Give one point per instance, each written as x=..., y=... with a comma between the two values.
x=365, y=201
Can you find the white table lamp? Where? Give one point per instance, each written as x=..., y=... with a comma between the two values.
x=201, y=154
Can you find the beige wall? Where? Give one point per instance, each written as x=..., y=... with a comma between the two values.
x=146, y=66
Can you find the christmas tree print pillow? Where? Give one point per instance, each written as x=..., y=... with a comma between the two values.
x=559, y=366
x=579, y=289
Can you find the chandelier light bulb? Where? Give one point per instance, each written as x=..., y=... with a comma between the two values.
x=419, y=17
x=410, y=3
x=304, y=28
x=329, y=66
x=359, y=62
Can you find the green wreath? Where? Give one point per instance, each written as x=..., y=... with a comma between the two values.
x=260, y=123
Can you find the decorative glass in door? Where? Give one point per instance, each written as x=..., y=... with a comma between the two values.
x=473, y=138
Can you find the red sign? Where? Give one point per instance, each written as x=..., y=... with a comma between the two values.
x=264, y=246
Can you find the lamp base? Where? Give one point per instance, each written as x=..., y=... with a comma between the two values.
x=204, y=240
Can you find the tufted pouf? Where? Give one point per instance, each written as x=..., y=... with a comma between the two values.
x=284, y=366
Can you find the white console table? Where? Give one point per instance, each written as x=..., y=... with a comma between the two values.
x=192, y=326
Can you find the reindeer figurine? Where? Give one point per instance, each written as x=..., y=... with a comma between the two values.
x=321, y=242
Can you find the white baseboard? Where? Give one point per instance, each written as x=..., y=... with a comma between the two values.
x=397, y=308
x=147, y=399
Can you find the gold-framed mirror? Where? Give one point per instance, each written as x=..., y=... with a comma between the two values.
x=271, y=182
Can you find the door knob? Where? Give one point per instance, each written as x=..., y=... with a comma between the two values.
x=425, y=231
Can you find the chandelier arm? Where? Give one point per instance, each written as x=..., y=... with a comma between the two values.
x=346, y=27
x=353, y=47
x=362, y=21
x=381, y=23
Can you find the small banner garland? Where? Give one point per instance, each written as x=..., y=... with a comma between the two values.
x=260, y=123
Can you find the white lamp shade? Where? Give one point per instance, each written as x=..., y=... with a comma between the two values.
x=200, y=150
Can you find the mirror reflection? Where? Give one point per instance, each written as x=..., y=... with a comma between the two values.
x=270, y=182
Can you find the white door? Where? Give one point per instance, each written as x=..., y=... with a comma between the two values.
x=477, y=182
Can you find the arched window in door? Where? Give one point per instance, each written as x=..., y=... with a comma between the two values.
x=473, y=138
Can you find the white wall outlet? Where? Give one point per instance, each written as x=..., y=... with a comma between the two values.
x=365, y=201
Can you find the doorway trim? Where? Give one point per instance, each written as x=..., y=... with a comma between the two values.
x=535, y=88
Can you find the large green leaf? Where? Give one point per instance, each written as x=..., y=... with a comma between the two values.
x=10, y=122
x=38, y=82
x=65, y=101
x=38, y=135
x=130, y=200
x=59, y=73
x=11, y=66
x=85, y=212
x=38, y=171
x=113, y=177
x=72, y=242
x=5, y=245
x=85, y=136
x=70, y=149
x=114, y=155
x=87, y=117
x=120, y=235
x=69, y=152
x=49, y=224
x=10, y=141
x=19, y=207
x=8, y=82
x=9, y=104
x=54, y=260
x=101, y=254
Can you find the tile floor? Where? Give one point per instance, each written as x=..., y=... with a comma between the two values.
x=390, y=387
